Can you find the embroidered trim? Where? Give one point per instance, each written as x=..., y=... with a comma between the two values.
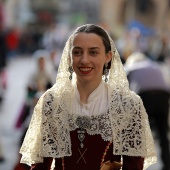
x=63, y=166
x=104, y=154
x=82, y=156
x=98, y=124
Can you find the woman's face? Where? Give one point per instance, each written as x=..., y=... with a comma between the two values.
x=88, y=57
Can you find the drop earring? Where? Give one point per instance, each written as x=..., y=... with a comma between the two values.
x=106, y=71
x=70, y=69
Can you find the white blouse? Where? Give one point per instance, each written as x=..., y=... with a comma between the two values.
x=97, y=102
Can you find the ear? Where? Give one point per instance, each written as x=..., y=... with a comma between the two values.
x=70, y=60
x=70, y=56
x=108, y=56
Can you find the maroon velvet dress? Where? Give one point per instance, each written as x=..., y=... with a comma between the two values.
x=90, y=156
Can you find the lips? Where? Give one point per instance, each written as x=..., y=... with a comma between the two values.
x=85, y=70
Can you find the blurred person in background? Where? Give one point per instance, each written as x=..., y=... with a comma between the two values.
x=147, y=79
x=12, y=39
x=89, y=119
x=1, y=154
x=18, y=165
x=53, y=37
x=160, y=48
x=26, y=43
x=128, y=43
x=40, y=81
x=53, y=64
x=30, y=40
x=3, y=63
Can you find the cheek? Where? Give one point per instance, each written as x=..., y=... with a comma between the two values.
x=74, y=62
x=75, y=67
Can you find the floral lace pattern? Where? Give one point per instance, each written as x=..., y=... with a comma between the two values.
x=99, y=124
x=125, y=124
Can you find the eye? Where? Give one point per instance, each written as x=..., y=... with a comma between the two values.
x=76, y=52
x=93, y=53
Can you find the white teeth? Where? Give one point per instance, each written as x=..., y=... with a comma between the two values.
x=85, y=69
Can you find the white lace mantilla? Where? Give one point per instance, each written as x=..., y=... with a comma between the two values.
x=126, y=124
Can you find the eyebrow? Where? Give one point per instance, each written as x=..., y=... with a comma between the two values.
x=92, y=48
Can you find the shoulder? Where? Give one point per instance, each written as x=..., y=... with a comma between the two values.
x=54, y=97
x=45, y=99
x=131, y=102
x=133, y=98
x=127, y=96
x=49, y=94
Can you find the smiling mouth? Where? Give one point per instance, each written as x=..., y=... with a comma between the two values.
x=85, y=70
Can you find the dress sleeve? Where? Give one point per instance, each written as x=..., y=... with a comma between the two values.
x=46, y=165
x=132, y=163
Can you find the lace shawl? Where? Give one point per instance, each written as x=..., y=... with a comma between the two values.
x=48, y=134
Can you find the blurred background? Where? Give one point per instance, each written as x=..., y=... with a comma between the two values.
x=32, y=36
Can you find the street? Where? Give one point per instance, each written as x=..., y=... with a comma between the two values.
x=18, y=71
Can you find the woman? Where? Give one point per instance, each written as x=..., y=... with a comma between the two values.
x=89, y=116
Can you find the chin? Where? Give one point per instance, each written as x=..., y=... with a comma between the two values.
x=85, y=79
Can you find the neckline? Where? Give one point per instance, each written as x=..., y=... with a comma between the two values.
x=95, y=95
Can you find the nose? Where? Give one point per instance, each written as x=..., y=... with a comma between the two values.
x=85, y=58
